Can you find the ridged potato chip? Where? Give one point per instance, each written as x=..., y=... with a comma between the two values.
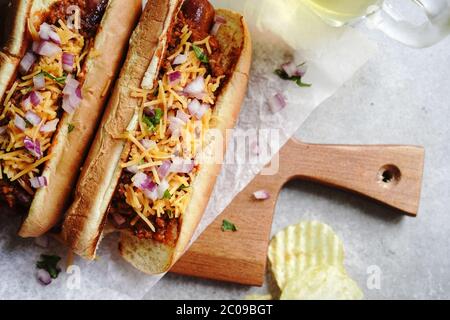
x=302, y=246
x=325, y=282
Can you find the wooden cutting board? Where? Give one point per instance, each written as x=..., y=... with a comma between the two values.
x=386, y=173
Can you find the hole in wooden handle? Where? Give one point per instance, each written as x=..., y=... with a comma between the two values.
x=389, y=175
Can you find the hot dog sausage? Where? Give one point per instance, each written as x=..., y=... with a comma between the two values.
x=200, y=17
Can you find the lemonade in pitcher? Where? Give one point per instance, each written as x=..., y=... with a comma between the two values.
x=340, y=12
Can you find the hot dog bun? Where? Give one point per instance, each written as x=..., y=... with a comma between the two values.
x=69, y=149
x=101, y=172
x=15, y=27
x=13, y=43
x=102, y=64
x=153, y=257
x=83, y=225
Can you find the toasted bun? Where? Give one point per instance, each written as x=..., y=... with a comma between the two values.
x=68, y=150
x=15, y=26
x=85, y=218
x=8, y=65
x=13, y=40
x=102, y=171
x=153, y=257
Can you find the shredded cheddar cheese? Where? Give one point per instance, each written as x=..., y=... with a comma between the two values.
x=17, y=162
x=32, y=30
x=187, y=143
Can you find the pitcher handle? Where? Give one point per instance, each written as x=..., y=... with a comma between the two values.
x=436, y=28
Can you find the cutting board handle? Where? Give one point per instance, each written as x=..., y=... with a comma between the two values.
x=390, y=174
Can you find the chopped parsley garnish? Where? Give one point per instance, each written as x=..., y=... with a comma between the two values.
x=60, y=80
x=182, y=187
x=28, y=123
x=200, y=54
x=70, y=127
x=50, y=264
x=169, y=213
x=297, y=79
x=153, y=121
x=167, y=194
x=228, y=226
x=27, y=90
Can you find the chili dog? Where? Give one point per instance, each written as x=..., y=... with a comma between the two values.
x=184, y=75
x=57, y=61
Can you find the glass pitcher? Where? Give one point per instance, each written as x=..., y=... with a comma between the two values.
x=380, y=15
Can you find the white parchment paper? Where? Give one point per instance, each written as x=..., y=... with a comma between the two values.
x=282, y=30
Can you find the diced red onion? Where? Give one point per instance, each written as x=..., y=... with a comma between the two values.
x=68, y=58
x=218, y=22
x=132, y=169
x=26, y=103
x=72, y=95
x=177, y=151
x=277, y=102
x=197, y=109
x=35, y=98
x=215, y=28
x=48, y=49
x=163, y=169
x=174, y=77
x=196, y=89
x=44, y=277
x=203, y=108
x=292, y=69
x=261, y=195
x=42, y=241
x=50, y=126
x=3, y=129
x=220, y=19
x=164, y=185
x=138, y=179
x=33, y=118
x=149, y=112
x=118, y=218
x=181, y=165
x=175, y=124
x=71, y=85
x=20, y=123
x=27, y=61
x=39, y=82
x=143, y=182
x=38, y=182
x=67, y=61
x=182, y=93
x=148, y=144
x=75, y=99
x=152, y=195
x=301, y=69
x=44, y=31
x=34, y=147
x=194, y=107
x=150, y=186
x=35, y=46
x=180, y=59
x=54, y=36
x=67, y=106
x=183, y=116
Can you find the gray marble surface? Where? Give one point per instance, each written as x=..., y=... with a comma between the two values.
x=402, y=96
